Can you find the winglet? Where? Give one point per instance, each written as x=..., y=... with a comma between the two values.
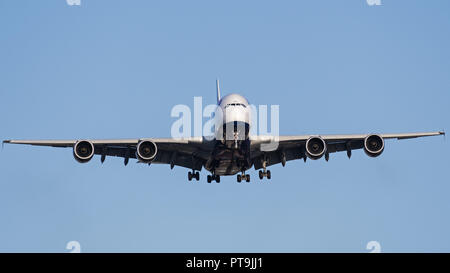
x=218, y=91
x=5, y=141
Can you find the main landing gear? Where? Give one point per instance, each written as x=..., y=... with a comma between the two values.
x=264, y=173
x=193, y=174
x=244, y=176
x=213, y=177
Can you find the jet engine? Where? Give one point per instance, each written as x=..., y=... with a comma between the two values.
x=83, y=151
x=315, y=147
x=373, y=145
x=146, y=151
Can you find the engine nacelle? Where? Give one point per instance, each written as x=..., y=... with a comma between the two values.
x=373, y=145
x=146, y=151
x=83, y=151
x=315, y=147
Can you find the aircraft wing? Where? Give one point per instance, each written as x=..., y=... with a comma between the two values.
x=294, y=147
x=188, y=152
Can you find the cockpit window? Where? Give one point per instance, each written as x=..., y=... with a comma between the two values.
x=235, y=104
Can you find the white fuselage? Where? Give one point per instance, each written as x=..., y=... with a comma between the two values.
x=231, y=154
x=236, y=115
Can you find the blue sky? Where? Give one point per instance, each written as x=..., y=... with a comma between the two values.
x=115, y=69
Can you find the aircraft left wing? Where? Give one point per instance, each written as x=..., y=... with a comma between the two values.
x=285, y=148
x=187, y=152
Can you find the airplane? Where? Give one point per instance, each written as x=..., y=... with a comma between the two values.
x=225, y=155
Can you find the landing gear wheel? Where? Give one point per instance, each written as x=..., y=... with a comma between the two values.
x=247, y=178
x=209, y=178
x=189, y=176
x=197, y=176
x=268, y=175
x=217, y=178
x=239, y=178
x=261, y=175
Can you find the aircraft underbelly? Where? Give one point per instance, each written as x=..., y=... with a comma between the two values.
x=229, y=161
x=227, y=167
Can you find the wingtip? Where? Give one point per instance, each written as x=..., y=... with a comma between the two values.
x=5, y=141
x=442, y=133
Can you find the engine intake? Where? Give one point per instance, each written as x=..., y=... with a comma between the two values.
x=315, y=147
x=146, y=151
x=373, y=145
x=83, y=151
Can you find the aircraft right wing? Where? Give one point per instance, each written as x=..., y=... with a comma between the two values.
x=188, y=152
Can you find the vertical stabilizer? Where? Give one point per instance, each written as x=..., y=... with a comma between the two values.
x=218, y=91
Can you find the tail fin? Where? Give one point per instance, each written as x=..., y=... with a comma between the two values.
x=218, y=91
